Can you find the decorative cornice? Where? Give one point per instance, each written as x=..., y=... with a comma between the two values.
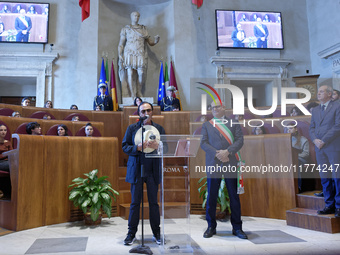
x=28, y=57
x=232, y=62
x=330, y=51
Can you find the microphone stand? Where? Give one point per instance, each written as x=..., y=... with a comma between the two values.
x=142, y=249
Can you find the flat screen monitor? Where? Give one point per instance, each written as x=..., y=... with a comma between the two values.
x=24, y=22
x=248, y=29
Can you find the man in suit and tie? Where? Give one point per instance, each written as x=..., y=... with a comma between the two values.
x=221, y=143
x=103, y=101
x=325, y=133
x=261, y=33
x=168, y=102
x=23, y=25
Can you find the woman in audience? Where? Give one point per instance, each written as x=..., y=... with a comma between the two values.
x=88, y=130
x=259, y=130
x=62, y=130
x=74, y=107
x=75, y=118
x=25, y=101
x=16, y=114
x=300, y=143
x=47, y=117
x=295, y=111
x=4, y=146
x=33, y=128
x=137, y=102
x=48, y=104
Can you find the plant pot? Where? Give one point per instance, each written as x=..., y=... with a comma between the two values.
x=90, y=222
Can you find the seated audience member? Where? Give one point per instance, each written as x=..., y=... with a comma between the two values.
x=46, y=117
x=98, y=108
x=295, y=111
x=74, y=107
x=243, y=18
x=335, y=95
x=33, y=128
x=48, y=104
x=5, y=9
x=4, y=146
x=239, y=118
x=75, y=118
x=311, y=105
x=25, y=101
x=300, y=143
x=137, y=102
x=266, y=18
x=175, y=108
x=31, y=10
x=16, y=114
x=259, y=130
x=89, y=130
x=62, y=130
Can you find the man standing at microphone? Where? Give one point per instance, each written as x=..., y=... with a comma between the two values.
x=151, y=175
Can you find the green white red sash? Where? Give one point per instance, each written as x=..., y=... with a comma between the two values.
x=228, y=135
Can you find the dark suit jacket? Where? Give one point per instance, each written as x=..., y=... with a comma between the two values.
x=106, y=104
x=212, y=141
x=19, y=25
x=237, y=42
x=135, y=156
x=258, y=33
x=326, y=126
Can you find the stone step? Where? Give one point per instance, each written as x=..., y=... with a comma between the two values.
x=309, y=219
x=309, y=201
x=172, y=210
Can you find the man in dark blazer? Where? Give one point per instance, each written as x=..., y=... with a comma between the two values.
x=104, y=101
x=221, y=153
x=151, y=177
x=325, y=133
x=261, y=33
x=238, y=35
x=23, y=25
x=168, y=102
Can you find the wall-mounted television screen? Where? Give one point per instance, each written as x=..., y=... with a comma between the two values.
x=24, y=22
x=248, y=29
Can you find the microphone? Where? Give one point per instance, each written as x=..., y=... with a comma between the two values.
x=143, y=118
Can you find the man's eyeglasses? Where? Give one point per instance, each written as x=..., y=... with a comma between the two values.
x=147, y=110
x=216, y=107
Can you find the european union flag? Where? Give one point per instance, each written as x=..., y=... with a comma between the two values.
x=161, y=87
x=102, y=78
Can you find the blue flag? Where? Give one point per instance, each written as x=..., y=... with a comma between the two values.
x=161, y=87
x=102, y=79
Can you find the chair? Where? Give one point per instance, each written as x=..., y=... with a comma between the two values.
x=41, y=114
x=81, y=132
x=271, y=129
x=54, y=130
x=81, y=117
x=207, y=117
x=198, y=131
x=20, y=130
x=6, y=112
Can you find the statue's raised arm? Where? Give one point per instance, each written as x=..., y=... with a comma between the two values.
x=133, y=56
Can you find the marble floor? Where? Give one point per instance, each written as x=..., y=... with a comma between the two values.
x=266, y=236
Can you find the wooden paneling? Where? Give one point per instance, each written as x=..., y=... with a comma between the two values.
x=176, y=123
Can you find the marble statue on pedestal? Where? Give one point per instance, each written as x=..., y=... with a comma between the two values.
x=133, y=59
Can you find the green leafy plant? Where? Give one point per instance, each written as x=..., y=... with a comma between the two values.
x=223, y=196
x=92, y=194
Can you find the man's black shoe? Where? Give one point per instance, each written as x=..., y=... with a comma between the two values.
x=157, y=238
x=337, y=213
x=326, y=210
x=209, y=232
x=320, y=194
x=240, y=234
x=130, y=238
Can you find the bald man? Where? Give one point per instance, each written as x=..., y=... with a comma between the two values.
x=218, y=135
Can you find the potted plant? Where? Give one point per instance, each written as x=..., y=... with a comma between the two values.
x=222, y=199
x=92, y=195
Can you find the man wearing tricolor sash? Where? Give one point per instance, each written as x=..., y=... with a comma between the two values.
x=23, y=25
x=221, y=142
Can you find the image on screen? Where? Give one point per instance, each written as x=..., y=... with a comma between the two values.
x=248, y=29
x=24, y=22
